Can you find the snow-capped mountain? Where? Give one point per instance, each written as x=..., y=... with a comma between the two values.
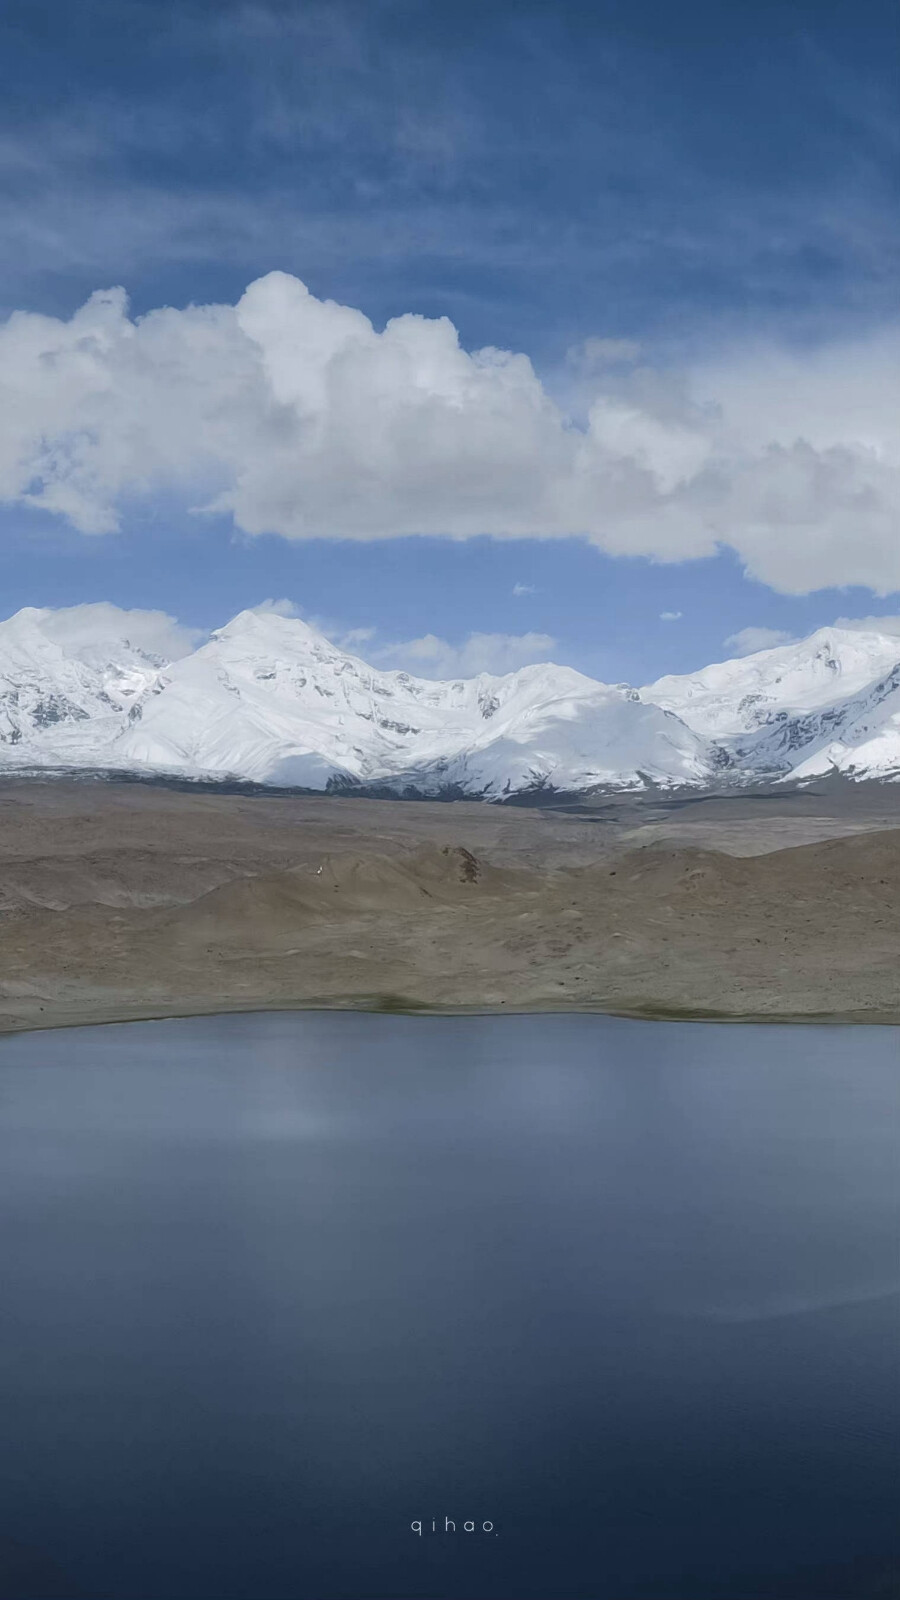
x=863, y=739
x=827, y=703
x=739, y=696
x=269, y=699
x=65, y=696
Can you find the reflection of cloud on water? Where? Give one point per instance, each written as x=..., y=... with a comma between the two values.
x=796, y=1305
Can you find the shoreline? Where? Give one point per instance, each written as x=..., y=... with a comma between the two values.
x=375, y=1006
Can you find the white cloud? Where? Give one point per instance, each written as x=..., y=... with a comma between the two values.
x=523, y=588
x=355, y=637
x=748, y=640
x=278, y=608
x=670, y=616
x=431, y=657
x=296, y=417
x=88, y=626
x=888, y=625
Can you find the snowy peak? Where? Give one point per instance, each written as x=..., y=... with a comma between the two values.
x=800, y=709
x=738, y=696
x=268, y=698
x=262, y=627
x=65, y=689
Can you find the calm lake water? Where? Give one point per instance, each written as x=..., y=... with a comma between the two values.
x=277, y=1287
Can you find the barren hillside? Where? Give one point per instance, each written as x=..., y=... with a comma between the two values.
x=121, y=901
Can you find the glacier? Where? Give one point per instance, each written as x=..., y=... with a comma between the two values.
x=269, y=700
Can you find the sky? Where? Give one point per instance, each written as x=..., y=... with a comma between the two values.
x=481, y=333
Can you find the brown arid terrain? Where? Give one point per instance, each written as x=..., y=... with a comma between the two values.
x=121, y=900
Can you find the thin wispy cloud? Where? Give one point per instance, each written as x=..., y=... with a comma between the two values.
x=889, y=624
x=747, y=641
x=494, y=653
x=330, y=137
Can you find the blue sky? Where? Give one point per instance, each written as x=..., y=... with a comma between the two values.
x=703, y=182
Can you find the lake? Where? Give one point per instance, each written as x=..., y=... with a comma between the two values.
x=282, y=1291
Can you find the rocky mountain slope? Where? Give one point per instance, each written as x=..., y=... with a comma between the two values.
x=269, y=699
x=827, y=703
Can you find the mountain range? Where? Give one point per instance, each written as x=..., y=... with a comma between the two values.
x=268, y=699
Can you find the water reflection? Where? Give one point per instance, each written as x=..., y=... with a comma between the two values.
x=280, y=1285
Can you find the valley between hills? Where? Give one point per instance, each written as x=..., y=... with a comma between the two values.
x=121, y=901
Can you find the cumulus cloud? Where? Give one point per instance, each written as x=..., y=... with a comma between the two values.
x=431, y=657
x=747, y=641
x=888, y=625
x=297, y=417
x=87, y=627
x=670, y=616
x=523, y=588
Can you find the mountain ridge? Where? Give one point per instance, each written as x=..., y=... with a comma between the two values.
x=268, y=699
